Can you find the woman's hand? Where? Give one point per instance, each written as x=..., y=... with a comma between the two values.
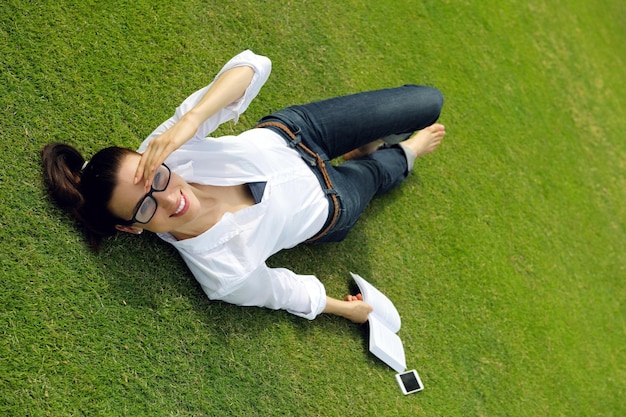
x=162, y=146
x=352, y=307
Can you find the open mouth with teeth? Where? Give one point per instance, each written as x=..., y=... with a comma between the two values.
x=183, y=205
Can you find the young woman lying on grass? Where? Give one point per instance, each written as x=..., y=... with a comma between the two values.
x=229, y=203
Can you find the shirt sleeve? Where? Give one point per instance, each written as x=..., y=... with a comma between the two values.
x=262, y=67
x=277, y=289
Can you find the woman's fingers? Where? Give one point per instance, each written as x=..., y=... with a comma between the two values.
x=161, y=147
x=140, y=173
x=145, y=169
x=151, y=159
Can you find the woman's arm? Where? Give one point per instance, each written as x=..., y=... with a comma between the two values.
x=275, y=288
x=229, y=87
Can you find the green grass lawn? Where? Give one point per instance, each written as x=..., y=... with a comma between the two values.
x=505, y=252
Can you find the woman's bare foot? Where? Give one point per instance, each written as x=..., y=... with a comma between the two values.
x=422, y=143
x=365, y=150
x=425, y=141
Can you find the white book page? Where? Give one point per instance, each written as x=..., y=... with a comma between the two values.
x=384, y=310
x=386, y=345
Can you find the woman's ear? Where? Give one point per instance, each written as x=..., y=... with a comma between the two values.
x=129, y=229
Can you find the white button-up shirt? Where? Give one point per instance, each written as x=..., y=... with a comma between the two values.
x=228, y=260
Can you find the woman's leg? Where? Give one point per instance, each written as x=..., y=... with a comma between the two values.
x=330, y=128
x=341, y=124
x=356, y=182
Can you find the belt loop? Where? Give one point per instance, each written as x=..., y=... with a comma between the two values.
x=295, y=140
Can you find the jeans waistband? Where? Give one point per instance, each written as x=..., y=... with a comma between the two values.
x=317, y=165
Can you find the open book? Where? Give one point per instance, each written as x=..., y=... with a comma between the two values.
x=384, y=323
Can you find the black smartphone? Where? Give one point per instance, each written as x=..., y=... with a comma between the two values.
x=409, y=382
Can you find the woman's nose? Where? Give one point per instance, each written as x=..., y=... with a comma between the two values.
x=167, y=198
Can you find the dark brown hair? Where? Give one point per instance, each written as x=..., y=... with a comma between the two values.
x=84, y=192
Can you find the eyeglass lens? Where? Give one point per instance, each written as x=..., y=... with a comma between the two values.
x=146, y=210
x=161, y=179
x=149, y=205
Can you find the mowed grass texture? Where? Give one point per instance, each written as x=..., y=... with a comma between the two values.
x=504, y=252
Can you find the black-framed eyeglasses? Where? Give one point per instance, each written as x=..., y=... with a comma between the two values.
x=148, y=205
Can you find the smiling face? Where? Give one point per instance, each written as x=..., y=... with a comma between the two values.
x=177, y=205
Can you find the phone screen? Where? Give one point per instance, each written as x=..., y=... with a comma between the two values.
x=409, y=382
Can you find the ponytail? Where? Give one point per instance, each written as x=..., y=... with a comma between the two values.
x=62, y=165
x=83, y=190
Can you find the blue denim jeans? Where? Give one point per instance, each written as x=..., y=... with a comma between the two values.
x=333, y=127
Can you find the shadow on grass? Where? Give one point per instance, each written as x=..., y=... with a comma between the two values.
x=146, y=273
